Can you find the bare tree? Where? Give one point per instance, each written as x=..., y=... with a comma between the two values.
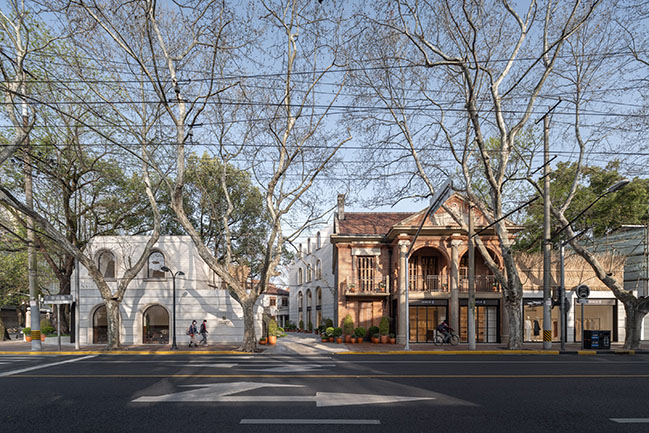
x=482, y=66
x=277, y=143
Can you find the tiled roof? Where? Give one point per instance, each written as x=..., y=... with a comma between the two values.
x=274, y=290
x=370, y=223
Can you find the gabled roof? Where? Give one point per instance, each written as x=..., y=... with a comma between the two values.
x=370, y=223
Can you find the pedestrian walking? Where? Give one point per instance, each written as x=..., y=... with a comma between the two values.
x=192, y=331
x=204, y=332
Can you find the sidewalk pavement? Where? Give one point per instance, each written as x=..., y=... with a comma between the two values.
x=295, y=343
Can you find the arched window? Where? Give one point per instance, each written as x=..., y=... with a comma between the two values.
x=318, y=270
x=309, y=273
x=100, y=326
x=156, y=261
x=308, y=246
x=308, y=309
x=299, y=251
x=300, y=276
x=300, y=300
x=317, y=240
x=106, y=264
x=155, y=325
x=318, y=306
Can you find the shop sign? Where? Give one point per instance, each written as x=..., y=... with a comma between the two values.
x=479, y=302
x=430, y=302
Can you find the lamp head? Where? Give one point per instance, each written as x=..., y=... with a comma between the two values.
x=180, y=273
x=618, y=185
x=165, y=269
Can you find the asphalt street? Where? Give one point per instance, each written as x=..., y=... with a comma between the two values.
x=373, y=393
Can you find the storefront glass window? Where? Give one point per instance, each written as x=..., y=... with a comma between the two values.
x=486, y=324
x=596, y=317
x=533, y=321
x=423, y=319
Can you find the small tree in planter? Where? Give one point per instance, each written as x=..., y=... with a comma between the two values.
x=301, y=326
x=360, y=334
x=338, y=332
x=384, y=329
x=27, y=332
x=393, y=339
x=329, y=323
x=330, y=333
x=310, y=326
x=348, y=327
x=273, y=331
x=372, y=331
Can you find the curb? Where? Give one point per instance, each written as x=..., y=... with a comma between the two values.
x=129, y=352
x=500, y=352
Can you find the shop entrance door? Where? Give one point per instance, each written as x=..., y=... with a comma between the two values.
x=486, y=324
x=423, y=319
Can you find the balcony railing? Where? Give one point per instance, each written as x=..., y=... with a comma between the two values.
x=483, y=283
x=428, y=283
x=354, y=289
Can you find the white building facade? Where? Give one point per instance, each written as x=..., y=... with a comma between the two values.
x=147, y=307
x=311, y=281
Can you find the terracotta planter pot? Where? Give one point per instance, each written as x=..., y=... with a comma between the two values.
x=272, y=339
x=352, y=340
x=359, y=340
x=331, y=339
x=262, y=342
x=384, y=339
x=393, y=341
x=375, y=340
x=348, y=338
x=325, y=340
x=28, y=338
x=339, y=340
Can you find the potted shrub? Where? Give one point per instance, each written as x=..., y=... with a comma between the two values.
x=262, y=340
x=330, y=334
x=348, y=327
x=352, y=339
x=272, y=332
x=384, y=329
x=329, y=323
x=376, y=338
x=352, y=288
x=310, y=326
x=301, y=326
x=393, y=339
x=381, y=287
x=27, y=332
x=338, y=335
x=360, y=334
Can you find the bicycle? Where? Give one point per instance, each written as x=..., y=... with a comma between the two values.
x=451, y=337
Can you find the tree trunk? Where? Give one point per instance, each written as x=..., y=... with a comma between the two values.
x=4, y=335
x=114, y=320
x=514, y=306
x=249, y=338
x=633, y=326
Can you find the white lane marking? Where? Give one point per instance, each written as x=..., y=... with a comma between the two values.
x=38, y=367
x=310, y=421
x=292, y=368
x=222, y=392
x=630, y=420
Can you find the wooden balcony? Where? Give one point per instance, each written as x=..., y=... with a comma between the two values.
x=364, y=291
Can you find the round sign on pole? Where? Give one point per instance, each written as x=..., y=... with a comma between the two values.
x=583, y=291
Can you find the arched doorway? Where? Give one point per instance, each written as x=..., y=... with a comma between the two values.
x=318, y=306
x=309, y=317
x=100, y=326
x=155, y=326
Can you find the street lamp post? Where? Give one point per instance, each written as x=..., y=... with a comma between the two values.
x=173, y=279
x=562, y=290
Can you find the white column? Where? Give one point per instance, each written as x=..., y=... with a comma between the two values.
x=402, y=329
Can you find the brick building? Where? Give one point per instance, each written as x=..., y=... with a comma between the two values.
x=370, y=272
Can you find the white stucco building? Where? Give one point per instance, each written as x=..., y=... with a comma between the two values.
x=147, y=306
x=311, y=281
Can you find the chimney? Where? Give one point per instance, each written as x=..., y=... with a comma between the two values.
x=341, y=207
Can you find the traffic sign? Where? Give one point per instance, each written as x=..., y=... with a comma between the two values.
x=583, y=291
x=582, y=301
x=58, y=299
